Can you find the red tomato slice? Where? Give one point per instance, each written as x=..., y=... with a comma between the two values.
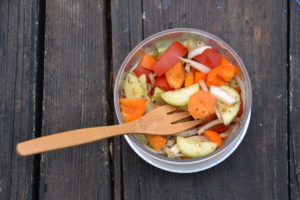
x=210, y=57
x=169, y=58
x=219, y=128
x=139, y=70
x=162, y=83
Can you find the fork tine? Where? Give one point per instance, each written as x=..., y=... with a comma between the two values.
x=178, y=116
x=186, y=125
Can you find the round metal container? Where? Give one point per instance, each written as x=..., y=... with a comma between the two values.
x=231, y=143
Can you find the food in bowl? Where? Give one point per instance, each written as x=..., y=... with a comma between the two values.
x=192, y=76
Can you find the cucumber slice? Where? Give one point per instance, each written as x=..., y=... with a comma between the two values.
x=193, y=148
x=181, y=96
x=142, y=138
x=133, y=88
x=228, y=113
x=156, y=98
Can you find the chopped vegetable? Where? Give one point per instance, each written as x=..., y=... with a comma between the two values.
x=139, y=70
x=200, y=67
x=193, y=148
x=221, y=74
x=223, y=95
x=169, y=58
x=156, y=141
x=200, y=76
x=210, y=57
x=229, y=112
x=197, y=51
x=175, y=75
x=203, y=86
x=201, y=104
x=208, y=125
x=162, y=83
x=156, y=98
x=132, y=109
x=181, y=96
x=213, y=137
x=189, y=79
x=219, y=128
x=148, y=61
x=133, y=88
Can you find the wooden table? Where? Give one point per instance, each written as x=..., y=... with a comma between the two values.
x=58, y=60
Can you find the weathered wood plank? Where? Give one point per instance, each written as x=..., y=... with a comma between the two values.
x=126, y=19
x=294, y=145
x=75, y=84
x=18, y=66
x=259, y=167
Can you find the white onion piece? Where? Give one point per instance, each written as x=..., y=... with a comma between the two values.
x=224, y=135
x=203, y=86
x=187, y=133
x=171, y=141
x=174, y=149
x=222, y=95
x=169, y=153
x=242, y=87
x=199, y=138
x=208, y=125
x=200, y=67
x=197, y=51
x=187, y=68
x=152, y=79
x=218, y=113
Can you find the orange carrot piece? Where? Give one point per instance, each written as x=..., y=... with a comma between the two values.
x=222, y=74
x=213, y=137
x=156, y=141
x=189, y=79
x=176, y=75
x=132, y=109
x=200, y=76
x=148, y=61
x=201, y=105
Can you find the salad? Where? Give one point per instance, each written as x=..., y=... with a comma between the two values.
x=194, y=77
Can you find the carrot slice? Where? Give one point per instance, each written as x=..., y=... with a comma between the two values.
x=176, y=75
x=201, y=104
x=132, y=109
x=148, y=61
x=200, y=76
x=156, y=141
x=189, y=79
x=213, y=137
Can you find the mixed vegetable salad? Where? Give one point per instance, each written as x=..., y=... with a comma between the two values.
x=194, y=77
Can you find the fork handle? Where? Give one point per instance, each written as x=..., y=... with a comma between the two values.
x=72, y=138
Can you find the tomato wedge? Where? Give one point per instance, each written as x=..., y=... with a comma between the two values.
x=132, y=109
x=162, y=83
x=170, y=58
x=219, y=128
x=139, y=70
x=210, y=57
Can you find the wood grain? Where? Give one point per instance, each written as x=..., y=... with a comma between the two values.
x=259, y=167
x=294, y=107
x=75, y=85
x=18, y=66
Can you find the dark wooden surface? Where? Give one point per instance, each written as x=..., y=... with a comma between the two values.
x=58, y=60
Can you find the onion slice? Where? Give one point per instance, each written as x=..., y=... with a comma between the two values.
x=218, y=113
x=222, y=95
x=208, y=125
x=200, y=138
x=242, y=87
x=200, y=67
x=187, y=68
x=197, y=51
x=203, y=86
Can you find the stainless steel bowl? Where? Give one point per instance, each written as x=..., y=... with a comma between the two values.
x=200, y=163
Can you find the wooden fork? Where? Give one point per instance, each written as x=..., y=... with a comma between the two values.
x=159, y=121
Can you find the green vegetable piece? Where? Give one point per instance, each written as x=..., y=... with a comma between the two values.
x=193, y=148
x=156, y=98
x=181, y=96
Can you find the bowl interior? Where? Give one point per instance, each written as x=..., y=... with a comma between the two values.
x=168, y=36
